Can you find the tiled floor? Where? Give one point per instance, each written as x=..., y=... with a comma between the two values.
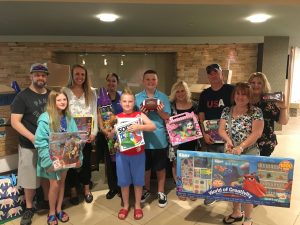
x=104, y=212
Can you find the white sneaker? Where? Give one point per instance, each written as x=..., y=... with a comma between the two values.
x=162, y=199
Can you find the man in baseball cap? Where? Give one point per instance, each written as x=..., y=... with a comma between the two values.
x=213, y=67
x=39, y=67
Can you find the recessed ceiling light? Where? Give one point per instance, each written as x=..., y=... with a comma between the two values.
x=258, y=18
x=107, y=17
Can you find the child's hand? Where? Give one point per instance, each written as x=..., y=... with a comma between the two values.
x=160, y=107
x=133, y=128
x=57, y=165
x=144, y=110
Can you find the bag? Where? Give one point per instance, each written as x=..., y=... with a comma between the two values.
x=12, y=201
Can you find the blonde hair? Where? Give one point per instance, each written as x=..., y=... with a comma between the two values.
x=54, y=117
x=266, y=85
x=127, y=91
x=86, y=86
x=175, y=88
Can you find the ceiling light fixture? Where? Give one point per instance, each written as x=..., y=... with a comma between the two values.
x=258, y=18
x=107, y=17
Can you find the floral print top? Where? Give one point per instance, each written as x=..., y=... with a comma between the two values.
x=268, y=140
x=241, y=127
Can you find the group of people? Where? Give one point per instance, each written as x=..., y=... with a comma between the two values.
x=246, y=125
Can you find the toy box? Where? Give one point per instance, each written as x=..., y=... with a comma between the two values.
x=272, y=97
x=128, y=140
x=65, y=148
x=211, y=127
x=182, y=128
x=84, y=123
x=239, y=178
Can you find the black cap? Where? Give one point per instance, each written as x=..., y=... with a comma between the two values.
x=213, y=67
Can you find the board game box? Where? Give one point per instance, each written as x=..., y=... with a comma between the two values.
x=128, y=140
x=239, y=178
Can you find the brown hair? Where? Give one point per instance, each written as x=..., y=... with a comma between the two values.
x=86, y=86
x=245, y=89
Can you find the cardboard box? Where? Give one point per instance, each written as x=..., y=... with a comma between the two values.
x=8, y=141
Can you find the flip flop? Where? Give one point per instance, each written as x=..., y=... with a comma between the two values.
x=62, y=216
x=52, y=220
x=138, y=214
x=123, y=213
x=230, y=219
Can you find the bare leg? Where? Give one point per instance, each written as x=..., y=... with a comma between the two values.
x=161, y=178
x=174, y=170
x=86, y=189
x=138, y=194
x=45, y=186
x=53, y=195
x=236, y=212
x=61, y=191
x=248, y=211
x=29, y=195
x=147, y=179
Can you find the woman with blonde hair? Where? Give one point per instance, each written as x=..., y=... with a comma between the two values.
x=272, y=112
x=181, y=102
x=82, y=102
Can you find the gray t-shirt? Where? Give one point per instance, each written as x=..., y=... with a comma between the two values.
x=31, y=105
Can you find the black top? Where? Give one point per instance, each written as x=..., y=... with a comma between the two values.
x=31, y=105
x=212, y=103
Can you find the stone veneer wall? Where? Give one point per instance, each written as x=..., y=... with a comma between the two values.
x=16, y=58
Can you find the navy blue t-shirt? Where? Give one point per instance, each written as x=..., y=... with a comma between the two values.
x=213, y=102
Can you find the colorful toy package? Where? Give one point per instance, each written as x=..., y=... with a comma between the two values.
x=65, y=148
x=84, y=123
x=183, y=127
x=108, y=118
x=211, y=127
x=239, y=178
x=128, y=140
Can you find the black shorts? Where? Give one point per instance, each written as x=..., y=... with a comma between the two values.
x=156, y=159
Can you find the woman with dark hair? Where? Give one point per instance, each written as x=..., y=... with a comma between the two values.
x=112, y=81
x=82, y=101
x=272, y=111
x=240, y=127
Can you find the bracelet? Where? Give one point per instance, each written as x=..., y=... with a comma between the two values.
x=241, y=148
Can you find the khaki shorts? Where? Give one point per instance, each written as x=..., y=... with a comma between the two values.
x=27, y=177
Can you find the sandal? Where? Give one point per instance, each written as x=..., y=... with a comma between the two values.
x=230, y=219
x=182, y=198
x=247, y=220
x=138, y=214
x=52, y=220
x=62, y=216
x=123, y=213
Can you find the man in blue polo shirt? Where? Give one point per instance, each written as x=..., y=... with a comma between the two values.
x=155, y=142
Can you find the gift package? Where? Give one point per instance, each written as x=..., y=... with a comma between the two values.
x=65, y=148
x=183, y=128
x=211, y=127
x=128, y=140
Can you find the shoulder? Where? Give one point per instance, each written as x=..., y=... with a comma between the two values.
x=44, y=117
x=228, y=87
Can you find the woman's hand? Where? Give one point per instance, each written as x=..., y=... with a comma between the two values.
x=91, y=138
x=237, y=150
x=228, y=147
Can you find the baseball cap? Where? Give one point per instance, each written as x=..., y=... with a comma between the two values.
x=39, y=67
x=213, y=67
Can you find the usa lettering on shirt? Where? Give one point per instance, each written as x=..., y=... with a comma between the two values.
x=215, y=103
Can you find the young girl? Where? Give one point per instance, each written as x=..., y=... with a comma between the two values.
x=131, y=163
x=56, y=119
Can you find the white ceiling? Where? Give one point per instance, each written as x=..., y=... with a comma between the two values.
x=150, y=19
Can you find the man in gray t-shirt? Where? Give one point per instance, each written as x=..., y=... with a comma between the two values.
x=25, y=111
